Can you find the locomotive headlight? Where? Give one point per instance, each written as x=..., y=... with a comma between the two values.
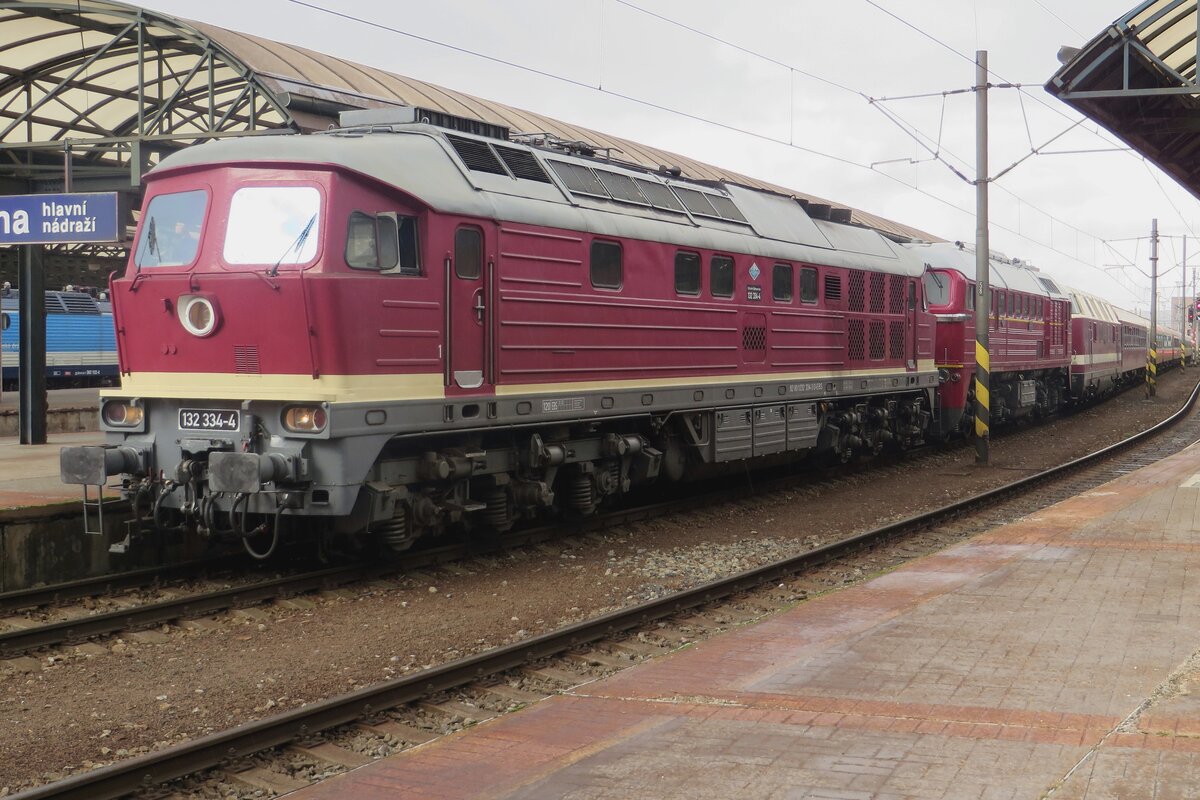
x=305, y=419
x=122, y=414
x=198, y=314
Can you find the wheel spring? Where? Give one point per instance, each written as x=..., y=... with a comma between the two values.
x=499, y=511
x=395, y=532
x=582, y=494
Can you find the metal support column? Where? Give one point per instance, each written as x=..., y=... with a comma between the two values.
x=983, y=363
x=1152, y=351
x=32, y=366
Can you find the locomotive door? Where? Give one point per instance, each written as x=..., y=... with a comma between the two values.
x=468, y=315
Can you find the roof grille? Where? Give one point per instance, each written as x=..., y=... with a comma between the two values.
x=476, y=155
x=72, y=302
x=1049, y=285
x=579, y=179
x=659, y=196
x=725, y=207
x=621, y=187
x=522, y=164
x=696, y=202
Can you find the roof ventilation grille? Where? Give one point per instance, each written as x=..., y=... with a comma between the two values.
x=522, y=163
x=476, y=155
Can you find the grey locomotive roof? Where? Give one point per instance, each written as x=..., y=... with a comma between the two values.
x=1002, y=274
x=419, y=160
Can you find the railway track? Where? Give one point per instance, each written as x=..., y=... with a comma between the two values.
x=79, y=625
x=656, y=625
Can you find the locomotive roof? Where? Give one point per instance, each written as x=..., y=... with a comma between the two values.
x=1088, y=306
x=442, y=172
x=1003, y=274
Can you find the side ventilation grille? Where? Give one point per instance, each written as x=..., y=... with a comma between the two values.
x=857, y=349
x=857, y=291
x=754, y=337
x=877, y=340
x=833, y=288
x=895, y=294
x=245, y=359
x=877, y=285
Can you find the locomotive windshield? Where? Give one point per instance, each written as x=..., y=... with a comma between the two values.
x=170, y=232
x=273, y=225
x=937, y=288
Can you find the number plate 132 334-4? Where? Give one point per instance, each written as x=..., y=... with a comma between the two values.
x=209, y=419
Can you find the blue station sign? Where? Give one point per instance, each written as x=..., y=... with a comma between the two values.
x=58, y=218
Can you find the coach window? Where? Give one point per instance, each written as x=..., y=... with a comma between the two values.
x=808, y=285
x=606, y=267
x=720, y=276
x=687, y=273
x=468, y=253
x=781, y=283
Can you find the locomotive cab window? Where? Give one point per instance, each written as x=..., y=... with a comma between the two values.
x=720, y=276
x=937, y=288
x=468, y=253
x=606, y=267
x=687, y=273
x=170, y=232
x=781, y=283
x=273, y=225
x=386, y=242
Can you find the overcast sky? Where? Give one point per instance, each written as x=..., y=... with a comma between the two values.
x=625, y=61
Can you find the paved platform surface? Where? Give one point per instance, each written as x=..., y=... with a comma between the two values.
x=1056, y=656
x=58, y=398
x=29, y=474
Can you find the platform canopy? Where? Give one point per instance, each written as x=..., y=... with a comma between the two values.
x=1137, y=78
x=109, y=88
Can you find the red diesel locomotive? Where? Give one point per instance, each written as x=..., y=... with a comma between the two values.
x=390, y=329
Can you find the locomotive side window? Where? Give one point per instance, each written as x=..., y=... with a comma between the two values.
x=408, y=257
x=781, y=283
x=273, y=225
x=606, y=267
x=170, y=234
x=468, y=253
x=808, y=285
x=687, y=273
x=720, y=276
x=372, y=242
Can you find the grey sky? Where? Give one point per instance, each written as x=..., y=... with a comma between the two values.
x=1053, y=210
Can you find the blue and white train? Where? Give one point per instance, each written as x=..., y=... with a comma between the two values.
x=81, y=347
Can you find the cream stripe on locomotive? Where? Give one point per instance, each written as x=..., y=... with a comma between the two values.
x=1101, y=358
x=428, y=386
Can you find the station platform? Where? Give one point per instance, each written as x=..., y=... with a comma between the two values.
x=68, y=411
x=1057, y=656
x=29, y=474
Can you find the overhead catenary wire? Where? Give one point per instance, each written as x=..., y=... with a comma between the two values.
x=700, y=118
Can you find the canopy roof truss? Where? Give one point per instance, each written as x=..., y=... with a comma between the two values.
x=1138, y=78
x=113, y=86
